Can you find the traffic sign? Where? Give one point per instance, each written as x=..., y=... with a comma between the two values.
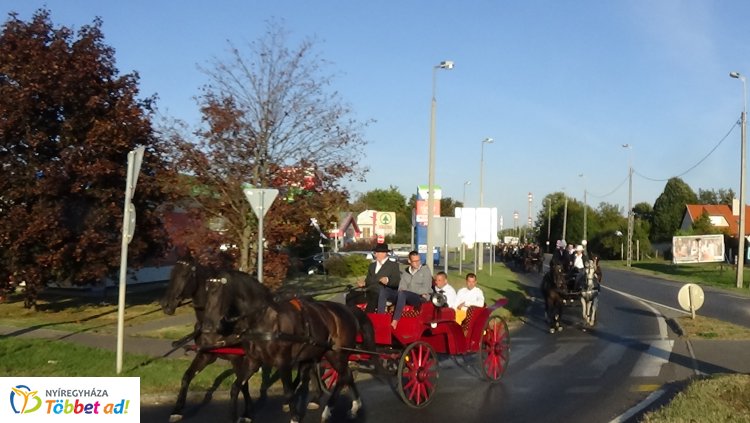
x=260, y=199
x=690, y=298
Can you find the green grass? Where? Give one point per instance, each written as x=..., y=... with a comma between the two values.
x=719, y=398
x=720, y=275
x=37, y=357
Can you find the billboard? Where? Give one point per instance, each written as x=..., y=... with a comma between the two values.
x=698, y=249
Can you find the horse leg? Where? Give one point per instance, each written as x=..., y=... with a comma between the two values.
x=299, y=397
x=244, y=368
x=200, y=362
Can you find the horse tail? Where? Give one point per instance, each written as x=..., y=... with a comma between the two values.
x=367, y=331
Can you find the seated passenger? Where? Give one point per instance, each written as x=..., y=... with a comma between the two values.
x=471, y=295
x=443, y=287
x=414, y=289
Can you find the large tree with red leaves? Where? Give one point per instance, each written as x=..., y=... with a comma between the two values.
x=67, y=122
x=271, y=121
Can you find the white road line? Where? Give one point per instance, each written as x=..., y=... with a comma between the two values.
x=637, y=409
x=561, y=355
x=650, y=362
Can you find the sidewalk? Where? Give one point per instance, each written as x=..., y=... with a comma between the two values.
x=132, y=343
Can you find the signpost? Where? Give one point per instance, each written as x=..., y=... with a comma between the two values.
x=135, y=158
x=260, y=200
x=690, y=298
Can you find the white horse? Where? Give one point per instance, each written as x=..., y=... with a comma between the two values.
x=588, y=283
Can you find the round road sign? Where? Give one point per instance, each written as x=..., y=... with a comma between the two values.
x=690, y=297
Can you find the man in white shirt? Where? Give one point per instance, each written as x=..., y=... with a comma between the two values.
x=471, y=295
x=442, y=286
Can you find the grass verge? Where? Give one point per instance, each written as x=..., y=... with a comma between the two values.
x=718, y=398
x=37, y=357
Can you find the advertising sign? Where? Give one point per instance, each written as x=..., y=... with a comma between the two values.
x=698, y=249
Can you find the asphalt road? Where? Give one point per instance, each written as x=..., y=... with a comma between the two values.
x=576, y=375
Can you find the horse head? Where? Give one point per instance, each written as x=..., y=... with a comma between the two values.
x=558, y=276
x=590, y=273
x=182, y=285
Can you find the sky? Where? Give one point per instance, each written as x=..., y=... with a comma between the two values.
x=560, y=86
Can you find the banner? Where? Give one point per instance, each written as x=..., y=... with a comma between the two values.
x=697, y=249
x=70, y=399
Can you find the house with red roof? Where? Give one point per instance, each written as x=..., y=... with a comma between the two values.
x=720, y=216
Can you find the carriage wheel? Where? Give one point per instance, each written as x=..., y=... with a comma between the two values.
x=494, y=351
x=327, y=376
x=417, y=375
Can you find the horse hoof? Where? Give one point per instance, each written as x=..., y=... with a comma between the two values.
x=175, y=418
x=244, y=420
x=285, y=408
x=313, y=405
x=559, y=328
x=551, y=330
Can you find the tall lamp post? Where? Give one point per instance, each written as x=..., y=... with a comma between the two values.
x=464, y=198
x=528, y=222
x=549, y=220
x=629, y=259
x=431, y=176
x=480, y=250
x=565, y=216
x=741, y=232
x=585, y=206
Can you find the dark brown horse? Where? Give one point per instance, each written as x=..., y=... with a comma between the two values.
x=284, y=335
x=553, y=292
x=187, y=281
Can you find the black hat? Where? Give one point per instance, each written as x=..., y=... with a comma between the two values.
x=381, y=248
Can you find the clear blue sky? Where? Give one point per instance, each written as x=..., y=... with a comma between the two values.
x=559, y=85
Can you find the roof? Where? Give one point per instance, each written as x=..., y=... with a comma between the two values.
x=715, y=213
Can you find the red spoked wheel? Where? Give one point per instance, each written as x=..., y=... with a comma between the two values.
x=327, y=376
x=494, y=351
x=417, y=375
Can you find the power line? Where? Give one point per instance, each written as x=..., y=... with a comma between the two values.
x=734, y=125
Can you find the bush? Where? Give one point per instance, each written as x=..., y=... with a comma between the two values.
x=345, y=266
x=357, y=265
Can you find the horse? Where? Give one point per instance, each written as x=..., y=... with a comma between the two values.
x=553, y=291
x=285, y=334
x=188, y=281
x=588, y=285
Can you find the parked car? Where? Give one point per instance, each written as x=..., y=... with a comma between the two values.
x=370, y=256
x=315, y=264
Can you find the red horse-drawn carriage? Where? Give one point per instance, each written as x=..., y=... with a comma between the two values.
x=410, y=352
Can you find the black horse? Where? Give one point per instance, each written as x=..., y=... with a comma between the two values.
x=188, y=281
x=284, y=335
x=553, y=291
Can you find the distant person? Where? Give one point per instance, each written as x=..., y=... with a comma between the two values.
x=414, y=289
x=443, y=287
x=381, y=273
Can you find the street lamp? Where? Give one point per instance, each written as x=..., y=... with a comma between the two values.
x=565, y=216
x=481, y=171
x=531, y=198
x=629, y=259
x=480, y=257
x=549, y=220
x=464, y=199
x=431, y=176
x=741, y=232
x=585, y=206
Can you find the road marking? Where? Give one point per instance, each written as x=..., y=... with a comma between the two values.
x=560, y=356
x=650, y=362
x=605, y=359
x=638, y=408
x=646, y=387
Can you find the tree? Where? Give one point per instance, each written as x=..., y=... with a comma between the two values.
x=388, y=200
x=669, y=208
x=269, y=121
x=721, y=196
x=67, y=122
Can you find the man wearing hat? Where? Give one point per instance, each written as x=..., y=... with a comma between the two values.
x=382, y=272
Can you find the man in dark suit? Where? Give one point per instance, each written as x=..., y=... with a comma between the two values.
x=382, y=272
